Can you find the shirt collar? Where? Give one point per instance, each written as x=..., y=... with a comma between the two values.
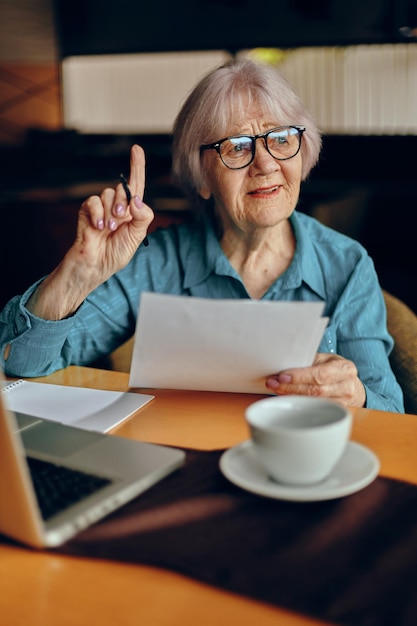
x=197, y=269
x=303, y=267
x=305, y=257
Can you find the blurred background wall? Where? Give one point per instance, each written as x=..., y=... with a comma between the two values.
x=81, y=80
x=73, y=63
x=29, y=69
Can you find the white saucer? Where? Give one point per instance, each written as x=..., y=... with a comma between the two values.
x=357, y=468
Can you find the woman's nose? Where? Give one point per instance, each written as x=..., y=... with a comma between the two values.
x=263, y=159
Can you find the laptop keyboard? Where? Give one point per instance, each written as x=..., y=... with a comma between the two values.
x=58, y=487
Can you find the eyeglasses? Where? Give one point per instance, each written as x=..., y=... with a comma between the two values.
x=238, y=151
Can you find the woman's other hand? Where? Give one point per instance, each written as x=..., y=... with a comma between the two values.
x=331, y=376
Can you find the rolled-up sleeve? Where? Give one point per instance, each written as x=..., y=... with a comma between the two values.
x=34, y=345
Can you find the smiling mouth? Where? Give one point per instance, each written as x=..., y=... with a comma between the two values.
x=265, y=191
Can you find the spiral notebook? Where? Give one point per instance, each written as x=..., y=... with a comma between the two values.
x=90, y=409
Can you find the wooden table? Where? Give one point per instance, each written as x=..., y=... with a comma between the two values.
x=40, y=589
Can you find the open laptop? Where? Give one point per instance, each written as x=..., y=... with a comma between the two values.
x=109, y=471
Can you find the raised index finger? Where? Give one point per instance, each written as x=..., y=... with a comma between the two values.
x=137, y=171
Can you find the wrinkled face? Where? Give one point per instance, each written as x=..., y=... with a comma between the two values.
x=263, y=194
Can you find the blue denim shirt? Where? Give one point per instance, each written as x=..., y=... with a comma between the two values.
x=187, y=259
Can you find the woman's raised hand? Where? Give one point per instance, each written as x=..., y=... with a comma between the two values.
x=109, y=231
x=109, y=228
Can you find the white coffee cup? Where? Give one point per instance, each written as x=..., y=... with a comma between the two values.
x=297, y=439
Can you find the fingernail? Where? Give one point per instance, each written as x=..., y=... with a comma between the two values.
x=100, y=224
x=112, y=224
x=284, y=378
x=272, y=382
x=138, y=202
x=120, y=209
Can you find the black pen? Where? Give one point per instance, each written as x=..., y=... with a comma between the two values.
x=129, y=197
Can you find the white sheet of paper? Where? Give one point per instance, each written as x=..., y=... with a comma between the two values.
x=221, y=345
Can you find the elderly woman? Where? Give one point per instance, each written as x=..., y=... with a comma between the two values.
x=243, y=142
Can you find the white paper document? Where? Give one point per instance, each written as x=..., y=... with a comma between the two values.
x=221, y=345
x=90, y=409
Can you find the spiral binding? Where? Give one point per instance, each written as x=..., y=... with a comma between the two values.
x=11, y=386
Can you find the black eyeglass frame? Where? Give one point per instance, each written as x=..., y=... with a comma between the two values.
x=216, y=145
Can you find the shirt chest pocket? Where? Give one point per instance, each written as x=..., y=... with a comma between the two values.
x=329, y=340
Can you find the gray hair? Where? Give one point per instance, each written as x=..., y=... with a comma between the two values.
x=224, y=93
